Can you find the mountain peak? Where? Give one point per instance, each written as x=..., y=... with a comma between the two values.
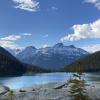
x=72, y=46
x=59, y=45
x=54, y=58
x=30, y=47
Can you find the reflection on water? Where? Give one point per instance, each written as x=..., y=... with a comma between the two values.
x=93, y=77
x=43, y=78
x=77, y=88
x=27, y=81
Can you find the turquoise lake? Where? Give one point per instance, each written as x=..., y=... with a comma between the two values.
x=43, y=78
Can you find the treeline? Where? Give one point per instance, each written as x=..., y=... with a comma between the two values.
x=10, y=67
x=90, y=63
x=35, y=69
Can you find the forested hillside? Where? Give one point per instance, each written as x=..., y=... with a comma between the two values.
x=90, y=63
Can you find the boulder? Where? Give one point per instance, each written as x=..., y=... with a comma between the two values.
x=3, y=90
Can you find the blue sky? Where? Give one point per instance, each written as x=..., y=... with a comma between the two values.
x=47, y=22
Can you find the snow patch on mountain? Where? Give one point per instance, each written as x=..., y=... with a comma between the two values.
x=54, y=57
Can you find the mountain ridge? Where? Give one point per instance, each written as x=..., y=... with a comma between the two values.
x=53, y=58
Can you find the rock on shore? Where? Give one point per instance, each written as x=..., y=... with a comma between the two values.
x=3, y=90
x=46, y=92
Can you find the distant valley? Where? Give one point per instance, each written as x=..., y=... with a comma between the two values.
x=55, y=58
x=52, y=58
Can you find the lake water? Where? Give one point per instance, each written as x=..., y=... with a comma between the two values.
x=29, y=80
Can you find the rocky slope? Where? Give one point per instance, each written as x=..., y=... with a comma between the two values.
x=54, y=58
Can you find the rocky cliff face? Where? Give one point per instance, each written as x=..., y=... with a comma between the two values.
x=54, y=57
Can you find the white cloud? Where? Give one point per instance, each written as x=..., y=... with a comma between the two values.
x=92, y=48
x=54, y=8
x=96, y=3
x=83, y=31
x=45, y=45
x=8, y=44
x=9, y=41
x=91, y=1
x=28, y=5
x=27, y=34
x=11, y=38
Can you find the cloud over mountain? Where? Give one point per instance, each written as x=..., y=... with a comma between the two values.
x=10, y=40
x=83, y=31
x=92, y=48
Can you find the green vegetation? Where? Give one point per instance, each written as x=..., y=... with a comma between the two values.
x=77, y=90
x=90, y=63
x=11, y=95
x=77, y=86
x=10, y=66
x=34, y=69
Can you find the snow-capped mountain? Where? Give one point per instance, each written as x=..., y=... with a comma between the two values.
x=54, y=57
x=27, y=55
x=14, y=52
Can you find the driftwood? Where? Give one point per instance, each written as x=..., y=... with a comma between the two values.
x=61, y=86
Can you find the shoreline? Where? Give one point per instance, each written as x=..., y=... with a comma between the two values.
x=48, y=91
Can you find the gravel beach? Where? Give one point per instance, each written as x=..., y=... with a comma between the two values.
x=52, y=91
